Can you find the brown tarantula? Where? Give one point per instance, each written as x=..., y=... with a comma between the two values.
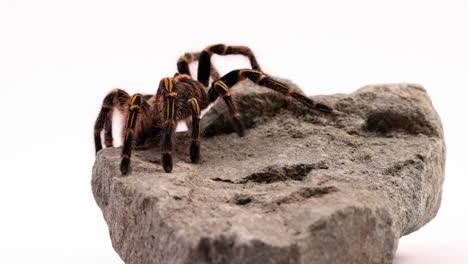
x=177, y=99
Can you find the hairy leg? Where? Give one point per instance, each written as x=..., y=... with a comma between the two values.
x=137, y=104
x=114, y=99
x=189, y=57
x=221, y=49
x=262, y=79
x=195, y=130
x=166, y=87
x=222, y=87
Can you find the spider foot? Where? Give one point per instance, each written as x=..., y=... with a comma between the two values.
x=239, y=126
x=124, y=164
x=195, y=152
x=323, y=108
x=167, y=162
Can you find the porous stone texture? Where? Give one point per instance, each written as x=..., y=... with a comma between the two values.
x=300, y=187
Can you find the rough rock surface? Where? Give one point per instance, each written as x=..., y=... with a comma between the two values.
x=300, y=187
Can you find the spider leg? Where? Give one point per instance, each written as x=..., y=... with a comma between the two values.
x=136, y=104
x=108, y=138
x=114, y=99
x=170, y=123
x=221, y=49
x=262, y=79
x=221, y=88
x=189, y=57
x=195, y=129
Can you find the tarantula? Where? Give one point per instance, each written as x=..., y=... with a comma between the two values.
x=180, y=97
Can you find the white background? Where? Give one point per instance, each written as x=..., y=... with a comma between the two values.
x=59, y=58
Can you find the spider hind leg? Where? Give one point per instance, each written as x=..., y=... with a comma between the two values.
x=114, y=99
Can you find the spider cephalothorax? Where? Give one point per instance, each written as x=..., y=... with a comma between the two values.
x=179, y=98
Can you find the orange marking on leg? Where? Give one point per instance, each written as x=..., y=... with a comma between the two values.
x=173, y=106
x=132, y=120
x=282, y=85
x=107, y=106
x=195, y=105
x=170, y=105
x=263, y=76
x=134, y=97
x=167, y=108
x=181, y=77
x=168, y=84
x=224, y=87
x=242, y=73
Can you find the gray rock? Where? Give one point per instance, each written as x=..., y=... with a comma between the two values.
x=300, y=187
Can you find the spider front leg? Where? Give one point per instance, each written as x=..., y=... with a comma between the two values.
x=223, y=85
x=219, y=87
x=136, y=105
x=115, y=99
x=262, y=79
x=170, y=123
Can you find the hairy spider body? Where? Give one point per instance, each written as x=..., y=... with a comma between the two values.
x=182, y=98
